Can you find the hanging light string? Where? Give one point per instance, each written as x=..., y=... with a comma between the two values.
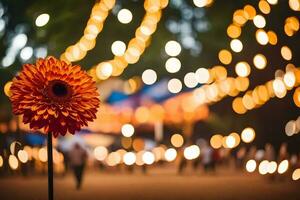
x=94, y=26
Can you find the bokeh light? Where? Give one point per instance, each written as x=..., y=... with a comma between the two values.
x=127, y=130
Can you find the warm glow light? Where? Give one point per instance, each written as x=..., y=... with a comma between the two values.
x=238, y=106
x=7, y=88
x=118, y=48
x=279, y=88
x=236, y=45
x=251, y=166
x=264, y=7
x=42, y=154
x=294, y=5
x=263, y=167
x=202, y=75
x=100, y=153
x=272, y=37
x=262, y=37
x=283, y=166
x=129, y=158
x=289, y=79
x=216, y=141
x=148, y=158
x=1, y=161
x=177, y=140
x=242, y=69
x=296, y=97
x=174, y=85
x=296, y=174
x=42, y=20
x=170, y=154
x=230, y=141
x=248, y=135
x=149, y=77
x=190, y=80
x=290, y=128
x=259, y=21
x=260, y=61
x=272, y=166
x=286, y=53
x=23, y=156
x=191, y=152
x=124, y=16
x=127, y=130
x=273, y=2
x=225, y=57
x=13, y=162
x=104, y=70
x=173, y=48
x=233, y=31
x=173, y=65
x=202, y=3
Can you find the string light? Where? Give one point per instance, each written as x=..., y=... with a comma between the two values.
x=172, y=48
x=118, y=48
x=42, y=20
x=124, y=16
x=236, y=45
x=173, y=65
x=260, y=61
x=174, y=85
x=149, y=77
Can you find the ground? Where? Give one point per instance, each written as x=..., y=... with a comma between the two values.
x=157, y=184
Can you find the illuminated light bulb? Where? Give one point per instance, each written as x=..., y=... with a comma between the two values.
x=262, y=37
x=148, y=158
x=260, y=61
x=173, y=65
x=251, y=166
x=113, y=159
x=172, y=48
x=104, y=70
x=177, y=140
x=294, y=5
x=263, y=167
x=264, y=7
x=129, y=158
x=225, y=57
x=201, y=3
x=42, y=20
x=239, y=17
x=283, y=166
x=289, y=79
x=238, y=106
x=127, y=130
x=230, y=141
x=279, y=88
x=216, y=141
x=272, y=37
x=124, y=16
x=272, y=2
x=248, y=135
x=296, y=174
x=118, y=48
x=149, y=77
x=296, y=97
x=13, y=162
x=1, y=161
x=248, y=101
x=174, y=85
x=236, y=45
x=242, y=69
x=286, y=53
x=191, y=152
x=237, y=139
x=42, y=154
x=250, y=11
x=170, y=154
x=26, y=53
x=23, y=156
x=290, y=128
x=100, y=153
x=233, y=31
x=272, y=166
x=190, y=80
x=241, y=83
x=202, y=75
x=259, y=21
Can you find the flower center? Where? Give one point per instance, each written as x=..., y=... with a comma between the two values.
x=60, y=89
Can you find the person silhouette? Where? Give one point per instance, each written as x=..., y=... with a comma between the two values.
x=77, y=158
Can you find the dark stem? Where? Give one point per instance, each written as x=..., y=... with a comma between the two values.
x=50, y=167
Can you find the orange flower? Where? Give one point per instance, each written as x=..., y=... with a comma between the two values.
x=55, y=96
